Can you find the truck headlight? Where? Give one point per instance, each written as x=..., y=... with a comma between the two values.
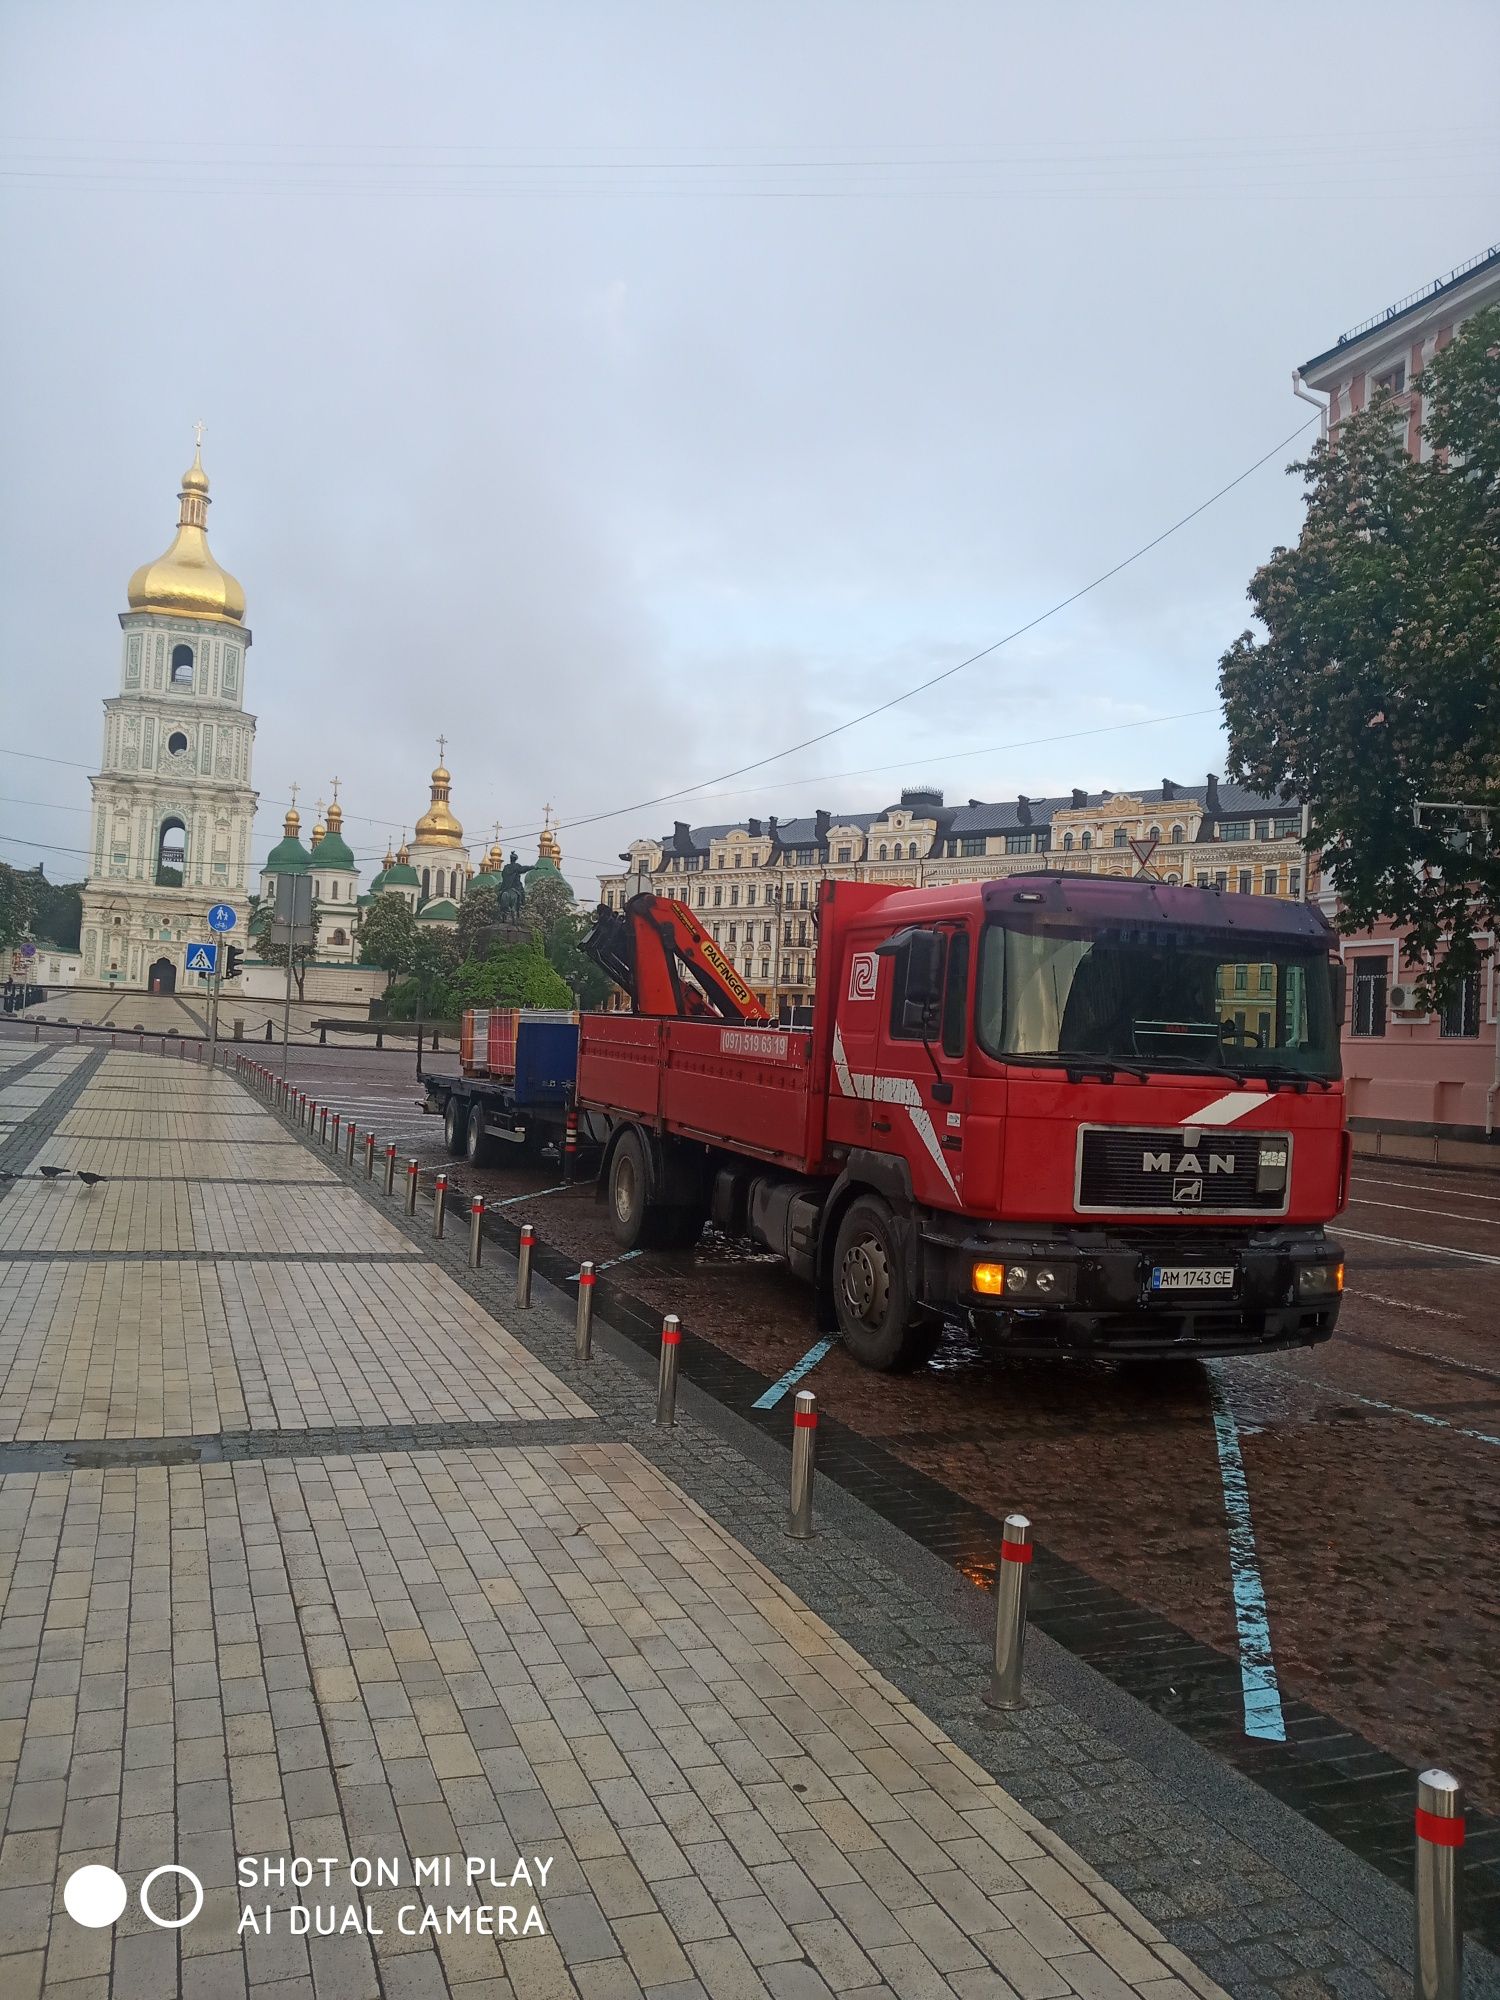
x=1041, y=1283
x=1321, y=1281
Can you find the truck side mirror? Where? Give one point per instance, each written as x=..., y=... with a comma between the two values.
x=920, y=974
x=1339, y=978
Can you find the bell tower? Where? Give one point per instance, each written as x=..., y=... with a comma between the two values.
x=173, y=802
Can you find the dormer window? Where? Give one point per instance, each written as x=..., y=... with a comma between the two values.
x=182, y=666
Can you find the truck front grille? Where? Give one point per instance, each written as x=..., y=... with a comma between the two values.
x=1126, y=1167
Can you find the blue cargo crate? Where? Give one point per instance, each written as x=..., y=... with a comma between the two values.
x=546, y=1061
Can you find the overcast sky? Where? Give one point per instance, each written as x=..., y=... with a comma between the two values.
x=629, y=391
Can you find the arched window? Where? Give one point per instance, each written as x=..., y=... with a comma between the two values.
x=1086, y=841
x=333, y=892
x=171, y=854
x=882, y=851
x=1154, y=832
x=1177, y=836
x=1121, y=836
x=182, y=666
x=439, y=880
x=1067, y=843
x=1174, y=880
x=426, y=885
x=339, y=937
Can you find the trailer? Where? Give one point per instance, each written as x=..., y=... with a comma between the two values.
x=1036, y=1105
x=514, y=1091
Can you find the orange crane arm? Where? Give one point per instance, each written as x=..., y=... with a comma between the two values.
x=648, y=947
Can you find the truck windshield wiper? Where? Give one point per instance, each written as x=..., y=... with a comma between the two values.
x=1284, y=1073
x=1078, y=1067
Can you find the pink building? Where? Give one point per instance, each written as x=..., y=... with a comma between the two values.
x=1406, y=1070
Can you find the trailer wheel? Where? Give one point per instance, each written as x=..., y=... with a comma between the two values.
x=629, y=1182
x=882, y=1324
x=477, y=1144
x=453, y=1127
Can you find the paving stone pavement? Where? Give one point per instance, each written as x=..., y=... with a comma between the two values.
x=555, y=1654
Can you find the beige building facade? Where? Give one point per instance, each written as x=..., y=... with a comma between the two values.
x=754, y=883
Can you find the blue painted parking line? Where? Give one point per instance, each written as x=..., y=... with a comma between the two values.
x=511, y=1200
x=793, y=1376
x=608, y=1265
x=1262, y=1693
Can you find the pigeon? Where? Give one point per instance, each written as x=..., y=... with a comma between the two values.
x=91, y=1180
x=52, y=1173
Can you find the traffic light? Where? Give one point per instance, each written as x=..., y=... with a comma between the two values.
x=232, y=957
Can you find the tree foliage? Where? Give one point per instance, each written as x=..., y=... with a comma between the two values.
x=17, y=900
x=1377, y=684
x=388, y=934
x=479, y=911
x=33, y=907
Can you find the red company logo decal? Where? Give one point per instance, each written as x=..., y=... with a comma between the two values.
x=864, y=968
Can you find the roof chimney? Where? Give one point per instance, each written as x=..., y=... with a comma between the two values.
x=1213, y=793
x=682, y=835
x=1168, y=790
x=1079, y=798
x=821, y=823
x=1023, y=810
x=752, y=826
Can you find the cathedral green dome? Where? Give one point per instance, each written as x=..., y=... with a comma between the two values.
x=401, y=876
x=289, y=856
x=333, y=851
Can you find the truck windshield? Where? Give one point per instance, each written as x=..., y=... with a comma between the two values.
x=1180, y=1001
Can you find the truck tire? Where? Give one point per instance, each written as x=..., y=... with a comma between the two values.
x=638, y=1222
x=882, y=1324
x=453, y=1127
x=477, y=1144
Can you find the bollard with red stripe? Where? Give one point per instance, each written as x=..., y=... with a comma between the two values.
x=338, y=1129
x=323, y=1124
x=583, y=1331
x=666, y=1380
x=390, y=1168
x=1011, y=1573
x=439, y=1203
x=1439, y=1887
x=369, y=1156
x=799, y=1514
x=411, y=1187
x=523, y=1264
x=476, y=1230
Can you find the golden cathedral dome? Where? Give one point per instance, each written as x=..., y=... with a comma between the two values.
x=186, y=582
x=438, y=827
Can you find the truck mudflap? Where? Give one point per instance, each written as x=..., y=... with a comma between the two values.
x=1136, y=1293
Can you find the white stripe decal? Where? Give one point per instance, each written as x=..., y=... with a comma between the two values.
x=892, y=1090
x=1225, y=1110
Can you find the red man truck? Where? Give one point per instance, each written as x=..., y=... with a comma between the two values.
x=1077, y=1113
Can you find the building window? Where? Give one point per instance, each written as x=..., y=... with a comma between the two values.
x=1270, y=880
x=883, y=854
x=765, y=934
x=1370, y=978
x=1202, y=878
x=972, y=843
x=1221, y=879
x=734, y=895
x=750, y=896
x=1287, y=827
x=171, y=854
x=701, y=895
x=1460, y=1015
x=1242, y=979
x=1262, y=829
x=765, y=968
x=801, y=970
x=1393, y=379
x=1265, y=979
x=182, y=666
x=718, y=861
x=1154, y=833
x=1294, y=883
x=1234, y=829
x=1067, y=843
x=846, y=854
x=426, y=884
x=1177, y=836
x=1244, y=881
x=739, y=859
x=339, y=937
x=1121, y=836
x=1085, y=840
x=177, y=742
x=802, y=896
x=1018, y=843
x=718, y=897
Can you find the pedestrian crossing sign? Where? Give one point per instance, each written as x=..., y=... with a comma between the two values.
x=202, y=957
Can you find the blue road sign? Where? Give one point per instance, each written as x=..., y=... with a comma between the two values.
x=202, y=957
x=222, y=918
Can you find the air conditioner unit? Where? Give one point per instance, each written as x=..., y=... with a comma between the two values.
x=1403, y=999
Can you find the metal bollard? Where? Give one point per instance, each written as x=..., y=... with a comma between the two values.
x=302, y=1109
x=338, y=1130
x=1004, y=1690
x=349, y=1155
x=476, y=1231
x=323, y=1125
x=523, y=1264
x=570, y=1144
x=1440, y=1923
x=583, y=1331
x=439, y=1204
x=369, y=1156
x=666, y=1379
x=390, y=1168
x=799, y=1515
x=411, y=1187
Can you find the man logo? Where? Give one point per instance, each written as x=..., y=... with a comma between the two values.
x=1161, y=1163
x=864, y=969
x=1189, y=1189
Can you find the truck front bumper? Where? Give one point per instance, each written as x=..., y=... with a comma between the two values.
x=1104, y=1301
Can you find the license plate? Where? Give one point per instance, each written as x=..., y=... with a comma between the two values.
x=1192, y=1278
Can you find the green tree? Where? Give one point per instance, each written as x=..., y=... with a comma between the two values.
x=266, y=947
x=18, y=889
x=511, y=975
x=547, y=899
x=563, y=943
x=57, y=912
x=478, y=911
x=388, y=935
x=1377, y=684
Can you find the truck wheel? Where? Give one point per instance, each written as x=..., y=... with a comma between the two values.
x=453, y=1127
x=882, y=1325
x=477, y=1145
x=629, y=1178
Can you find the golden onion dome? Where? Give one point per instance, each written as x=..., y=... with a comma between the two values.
x=186, y=582
x=438, y=827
